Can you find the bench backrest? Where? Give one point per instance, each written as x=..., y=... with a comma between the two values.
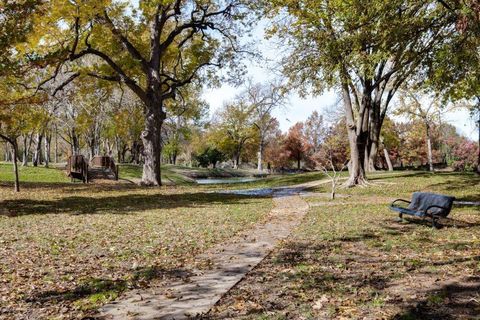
x=76, y=164
x=422, y=200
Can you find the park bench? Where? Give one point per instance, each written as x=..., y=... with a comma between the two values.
x=77, y=168
x=425, y=205
x=105, y=163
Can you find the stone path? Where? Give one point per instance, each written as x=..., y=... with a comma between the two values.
x=229, y=263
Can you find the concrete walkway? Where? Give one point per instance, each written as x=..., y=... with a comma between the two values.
x=228, y=264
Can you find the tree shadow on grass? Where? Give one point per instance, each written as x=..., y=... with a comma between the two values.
x=459, y=182
x=395, y=175
x=458, y=300
x=107, y=288
x=342, y=273
x=123, y=204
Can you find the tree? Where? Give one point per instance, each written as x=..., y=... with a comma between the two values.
x=390, y=142
x=365, y=50
x=14, y=115
x=210, y=156
x=235, y=129
x=454, y=72
x=185, y=114
x=153, y=50
x=15, y=24
x=412, y=105
x=315, y=131
x=263, y=99
x=296, y=144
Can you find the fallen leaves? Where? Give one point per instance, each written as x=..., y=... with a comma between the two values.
x=72, y=248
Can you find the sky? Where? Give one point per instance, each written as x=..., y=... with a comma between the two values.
x=298, y=109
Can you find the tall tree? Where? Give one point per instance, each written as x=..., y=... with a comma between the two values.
x=315, y=131
x=454, y=71
x=154, y=50
x=426, y=109
x=296, y=144
x=365, y=50
x=263, y=100
x=235, y=129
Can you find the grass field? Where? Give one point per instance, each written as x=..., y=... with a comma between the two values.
x=350, y=259
x=171, y=175
x=66, y=249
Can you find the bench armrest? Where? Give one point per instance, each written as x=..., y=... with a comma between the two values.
x=433, y=206
x=399, y=200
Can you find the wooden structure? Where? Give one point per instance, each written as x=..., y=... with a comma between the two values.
x=106, y=164
x=77, y=168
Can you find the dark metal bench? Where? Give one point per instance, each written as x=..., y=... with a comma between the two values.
x=425, y=205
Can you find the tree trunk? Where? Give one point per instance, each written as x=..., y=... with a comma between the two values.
x=334, y=187
x=357, y=156
x=91, y=146
x=260, y=156
x=48, y=140
x=38, y=150
x=56, y=145
x=75, y=143
x=27, y=143
x=387, y=158
x=357, y=138
x=299, y=163
x=372, y=156
x=236, y=160
x=478, y=163
x=15, y=166
x=152, y=147
x=7, y=152
x=429, y=146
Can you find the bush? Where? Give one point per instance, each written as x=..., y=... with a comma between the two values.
x=209, y=156
x=463, y=155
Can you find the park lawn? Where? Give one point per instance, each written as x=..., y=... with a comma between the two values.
x=66, y=249
x=169, y=175
x=181, y=175
x=350, y=259
x=33, y=174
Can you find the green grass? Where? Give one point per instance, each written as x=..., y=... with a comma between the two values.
x=65, y=249
x=171, y=175
x=33, y=174
x=351, y=259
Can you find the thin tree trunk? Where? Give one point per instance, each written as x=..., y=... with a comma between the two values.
x=48, y=140
x=478, y=163
x=38, y=150
x=334, y=187
x=15, y=166
x=13, y=143
x=56, y=145
x=387, y=158
x=429, y=146
x=27, y=142
x=7, y=152
x=260, y=156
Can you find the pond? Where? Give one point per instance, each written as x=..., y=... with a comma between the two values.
x=227, y=180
